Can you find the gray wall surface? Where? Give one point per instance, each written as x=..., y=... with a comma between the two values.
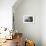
x=30, y=30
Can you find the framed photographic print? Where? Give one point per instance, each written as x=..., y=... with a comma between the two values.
x=28, y=19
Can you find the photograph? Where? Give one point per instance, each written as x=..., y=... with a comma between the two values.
x=28, y=19
x=22, y=22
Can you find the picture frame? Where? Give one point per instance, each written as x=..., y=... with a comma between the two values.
x=28, y=19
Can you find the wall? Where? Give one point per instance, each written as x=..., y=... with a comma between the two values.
x=43, y=22
x=32, y=30
x=6, y=13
